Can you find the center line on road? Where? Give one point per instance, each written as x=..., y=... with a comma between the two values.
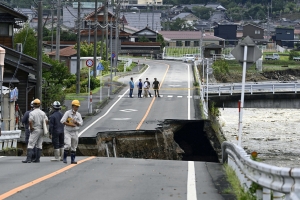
x=191, y=182
x=110, y=107
x=152, y=101
x=43, y=178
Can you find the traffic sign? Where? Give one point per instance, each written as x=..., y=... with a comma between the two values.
x=100, y=66
x=253, y=52
x=89, y=63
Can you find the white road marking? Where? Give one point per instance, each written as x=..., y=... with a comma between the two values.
x=120, y=119
x=174, y=85
x=170, y=96
x=191, y=182
x=128, y=110
x=189, y=94
x=89, y=126
x=2, y=156
x=189, y=97
x=179, y=96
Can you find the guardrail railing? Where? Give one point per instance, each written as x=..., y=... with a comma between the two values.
x=8, y=139
x=252, y=88
x=283, y=182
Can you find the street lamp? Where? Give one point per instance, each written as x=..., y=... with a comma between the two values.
x=2, y=56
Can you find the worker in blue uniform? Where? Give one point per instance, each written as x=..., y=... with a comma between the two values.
x=56, y=131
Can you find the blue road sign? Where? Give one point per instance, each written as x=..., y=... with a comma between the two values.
x=100, y=66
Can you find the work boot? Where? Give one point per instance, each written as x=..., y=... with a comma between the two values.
x=61, y=151
x=73, y=153
x=29, y=154
x=38, y=155
x=66, y=152
x=56, y=155
x=33, y=156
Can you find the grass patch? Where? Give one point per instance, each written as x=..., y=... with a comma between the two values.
x=237, y=189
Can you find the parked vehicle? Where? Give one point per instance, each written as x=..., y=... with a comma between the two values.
x=297, y=58
x=229, y=57
x=188, y=57
x=273, y=56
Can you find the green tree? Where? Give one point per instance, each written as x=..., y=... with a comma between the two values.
x=180, y=25
x=143, y=39
x=27, y=36
x=161, y=40
x=203, y=12
x=87, y=49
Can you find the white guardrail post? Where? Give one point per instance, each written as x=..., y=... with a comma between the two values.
x=282, y=182
x=8, y=139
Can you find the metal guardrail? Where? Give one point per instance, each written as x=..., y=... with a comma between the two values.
x=8, y=139
x=282, y=181
x=252, y=88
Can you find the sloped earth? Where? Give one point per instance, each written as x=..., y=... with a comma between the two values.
x=287, y=75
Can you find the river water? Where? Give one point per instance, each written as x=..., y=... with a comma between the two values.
x=273, y=133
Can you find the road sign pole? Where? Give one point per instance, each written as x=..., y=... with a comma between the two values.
x=100, y=85
x=89, y=90
x=242, y=95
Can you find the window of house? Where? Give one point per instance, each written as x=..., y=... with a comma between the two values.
x=257, y=31
x=4, y=30
x=187, y=43
x=178, y=43
x=288, y=32
x=196, y=43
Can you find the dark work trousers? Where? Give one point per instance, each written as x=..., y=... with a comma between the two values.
x=156, y=91
x=58, y=140
x=27, y=134
x=131, y=91
x=140, y=92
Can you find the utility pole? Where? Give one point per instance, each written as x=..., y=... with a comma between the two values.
x=52, y=20
x=78, y=51
x=57, y=52
x=106, y=28
x=116, y=35
x=39, y=56
x=95, y=39
x=147, y=13
x=153, y=15
x=111, y=61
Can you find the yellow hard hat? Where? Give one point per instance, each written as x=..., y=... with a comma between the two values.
x=36, y=101
x=75, y=103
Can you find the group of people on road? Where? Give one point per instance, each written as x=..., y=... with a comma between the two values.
x=63, y=131
x=144, y=86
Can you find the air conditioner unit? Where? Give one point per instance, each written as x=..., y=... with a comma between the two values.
x=19, y=47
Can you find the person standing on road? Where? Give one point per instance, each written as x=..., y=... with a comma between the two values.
x=156, y=86
x=56, y=131
x=25, y=122
x=36, y=120
x=140, y=88
x=72, y=121
x=145, y=86
x=131, y=86
x=148, y=89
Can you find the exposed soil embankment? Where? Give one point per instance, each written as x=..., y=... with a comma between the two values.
x=279, y=75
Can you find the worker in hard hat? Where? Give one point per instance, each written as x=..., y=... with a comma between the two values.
x=25, y=122
x=56, y=131
x=72, y=121
x=36, y=120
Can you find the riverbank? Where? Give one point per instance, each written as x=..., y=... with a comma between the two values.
x=272, y=133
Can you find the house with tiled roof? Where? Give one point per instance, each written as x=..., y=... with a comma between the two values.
x=211, y=43
x=20, y=69
x=188, y=17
